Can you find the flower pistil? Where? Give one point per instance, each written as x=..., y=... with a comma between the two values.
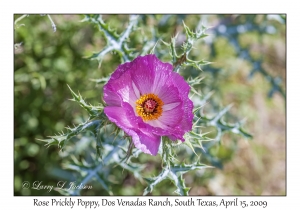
x=149, y=107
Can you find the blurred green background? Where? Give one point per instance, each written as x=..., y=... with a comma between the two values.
x=46, y=61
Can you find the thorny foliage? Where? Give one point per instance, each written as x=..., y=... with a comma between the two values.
x=113, y=148
x=231, y=30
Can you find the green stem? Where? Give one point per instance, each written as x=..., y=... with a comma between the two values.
x=20, y=18
x=93, y=173
x=52, y=23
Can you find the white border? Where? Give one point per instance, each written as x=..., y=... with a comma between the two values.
x=8, y=8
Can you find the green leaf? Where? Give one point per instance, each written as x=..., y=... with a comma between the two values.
x=184, y=168
x=115, y=42
x=180, y=184
x=94, y=111
x=154, y=181
x=61, y=139
x=188, y=143
x=183, y=59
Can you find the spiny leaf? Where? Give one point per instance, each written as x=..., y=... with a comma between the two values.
x=154, y=181
x=108, y=32
x=115, y=42
x=103, y=184
x=187, y=46
x=183, y=168
x=220, y=114
x=188, y=143
x=60, y=140
x=221, y=125
x=180, y=184
x=195, y=35
x=94, y=111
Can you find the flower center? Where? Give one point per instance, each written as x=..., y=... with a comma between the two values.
x=149, y=107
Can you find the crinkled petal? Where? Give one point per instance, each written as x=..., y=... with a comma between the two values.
x=162, y=79
x=120, y=71
x=169, y=94
x=142, y=74
x=150, y=74
x=142, y=139
x=188, y=106
x=147, y=142
x=119, y=116
x=147, y=127
x=170, y=106
x=187, y=121
x=181, y=84
x=172, y=117
x=159, y=65
x=111, y=97
x=124, y=88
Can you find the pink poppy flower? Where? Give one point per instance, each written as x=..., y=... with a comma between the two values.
x=148, y=100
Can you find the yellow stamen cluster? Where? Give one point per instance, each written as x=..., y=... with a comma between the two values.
x=149, y=113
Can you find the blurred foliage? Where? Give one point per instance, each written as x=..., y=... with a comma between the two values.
x=46, y=60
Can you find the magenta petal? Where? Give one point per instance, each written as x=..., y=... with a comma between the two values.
x=150, y=74
x=188, y=106
x=142, y=74
x=169, y=94
x=147, y=142
x=187, y=121
x=111, y=97
x=158, y=65
x=172, y=117
x=124, y=88
x=120, y=70
x=119, y=117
